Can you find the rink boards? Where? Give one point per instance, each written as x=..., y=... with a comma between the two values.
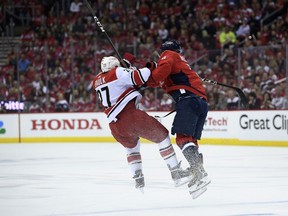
x=267, y=128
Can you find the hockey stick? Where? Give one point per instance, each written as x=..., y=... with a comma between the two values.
x=104, y=32
x=241, y=94
x=156, y=116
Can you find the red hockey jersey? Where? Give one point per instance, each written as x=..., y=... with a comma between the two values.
x=173, y=73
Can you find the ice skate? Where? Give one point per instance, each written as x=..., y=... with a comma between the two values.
x=180, y=176
x=197, y=186
x=139, y=180
x=198, y=193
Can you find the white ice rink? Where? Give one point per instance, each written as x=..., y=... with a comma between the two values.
x=94, y=179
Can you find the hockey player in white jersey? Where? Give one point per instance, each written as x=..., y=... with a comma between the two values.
x=116, y=87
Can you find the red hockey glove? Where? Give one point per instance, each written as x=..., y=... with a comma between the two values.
x=130, y=58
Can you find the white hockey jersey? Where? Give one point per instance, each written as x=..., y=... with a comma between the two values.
x=117, y=87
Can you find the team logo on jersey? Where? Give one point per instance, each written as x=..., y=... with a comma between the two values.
x=2, y=130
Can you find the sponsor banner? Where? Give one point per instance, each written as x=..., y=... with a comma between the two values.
x=217, y=125
x=241, y=125
x=271, y=125
x=64, y=125
x=220, y=124
x=248, y=125
x=221, y=127
x=9, y=130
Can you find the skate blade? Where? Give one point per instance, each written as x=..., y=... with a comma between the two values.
x=182, y=181
x=198, y=193
x=141, y=190
x=201, y=184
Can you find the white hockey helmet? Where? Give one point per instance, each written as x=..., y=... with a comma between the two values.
x=108, y=63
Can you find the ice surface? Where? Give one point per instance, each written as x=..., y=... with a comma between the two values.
x=94, y=179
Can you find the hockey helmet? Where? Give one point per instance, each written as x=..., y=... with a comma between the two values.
x=173, y=45
x=108, y=63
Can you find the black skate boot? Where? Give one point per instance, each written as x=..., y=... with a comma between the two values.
x=200, y=180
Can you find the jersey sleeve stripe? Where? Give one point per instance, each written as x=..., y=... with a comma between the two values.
x=137, y=78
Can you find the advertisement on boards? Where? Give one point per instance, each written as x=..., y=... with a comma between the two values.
x=221, y=127
x=271, y=126
x=70, y=126
x=9, y=130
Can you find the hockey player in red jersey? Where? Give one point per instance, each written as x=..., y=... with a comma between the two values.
x=116, y=87
x=174, y=75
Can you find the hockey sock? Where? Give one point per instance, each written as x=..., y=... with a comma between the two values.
x=186, y=145
x=167, y=152
x=134, y=158
x=182, y=139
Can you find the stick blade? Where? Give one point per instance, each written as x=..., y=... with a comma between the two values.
x=243, y=98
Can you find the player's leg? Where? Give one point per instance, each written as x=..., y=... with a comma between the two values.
x=131, y=144
x=135, y=163
x=189, y=120
x=151, y=129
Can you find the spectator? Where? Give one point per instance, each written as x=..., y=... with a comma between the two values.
x=211, y=103
x=47, y=105
x=148, y=101
x=232, y=100
x=267, y=101
x=163, y=32
x=279, y=100
x=222, y=101
x=23, y=63
x=166, y=103
x=61, y=104
x=39, y=87
x=208, y=41
x=144, y=12
x=75, y=6
x=77, y=102
x=35, y=108
x=254, y=103
x=227, y=37
x=3, y=91
x=78, y=29
x=243, y=30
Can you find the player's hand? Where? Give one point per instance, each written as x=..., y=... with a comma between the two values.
x=151, y=65
x=125, y=63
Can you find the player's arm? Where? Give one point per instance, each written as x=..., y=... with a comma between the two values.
x=140, y=76
x=161, y=72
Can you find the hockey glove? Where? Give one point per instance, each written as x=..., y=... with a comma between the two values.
x=151, y=65
x=125, y=63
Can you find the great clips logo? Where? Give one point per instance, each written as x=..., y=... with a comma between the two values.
x=2, y=129
x=278, y=122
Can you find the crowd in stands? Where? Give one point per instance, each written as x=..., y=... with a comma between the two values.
x=60, y=52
